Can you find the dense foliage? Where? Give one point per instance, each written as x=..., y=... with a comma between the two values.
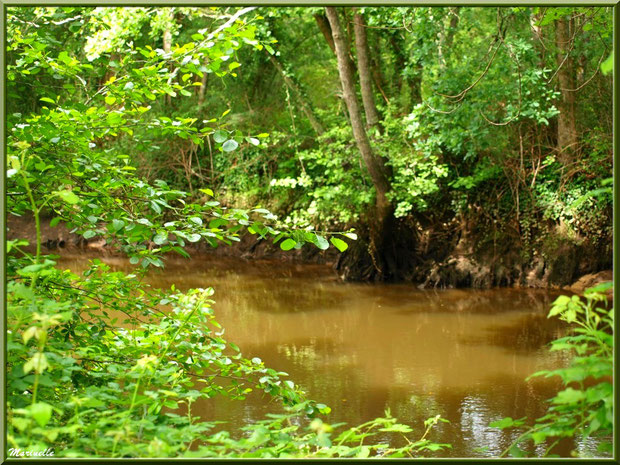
x=154, y=129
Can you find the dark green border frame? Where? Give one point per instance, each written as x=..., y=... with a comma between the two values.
x=412, y=3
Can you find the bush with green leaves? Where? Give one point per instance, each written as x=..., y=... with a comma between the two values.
x=584, y=408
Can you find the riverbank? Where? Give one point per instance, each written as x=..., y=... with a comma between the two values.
x=438, y=259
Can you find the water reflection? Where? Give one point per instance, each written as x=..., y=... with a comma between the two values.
x=364, y=348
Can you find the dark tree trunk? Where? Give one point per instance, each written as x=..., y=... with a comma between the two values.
x=363, y=69
x=382, y=222
x=567, y=125
x=399, y=60
x=454, y=22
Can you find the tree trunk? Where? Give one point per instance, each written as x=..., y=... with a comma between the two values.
x=363, y=69
x=375, y=69
x=326, y=30
x=538, y=37
x=167, y=40
x=567, y=126
x=204, y=80
x=454, y=22
x=303, y=102
x=382, y=222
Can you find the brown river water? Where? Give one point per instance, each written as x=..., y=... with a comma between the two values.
x=364, y=348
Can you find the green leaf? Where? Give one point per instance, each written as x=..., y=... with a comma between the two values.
x=220, y=136
x=21, y=423
x=68, y=197
x=181, y=251
x=160, y=238
x=608, y=65
x=600, y=288
x=193, y=237
x=38, y=363
x=339, y=244
x=321, y=242
x=516, y=451
x=230, y=145
x=569, y=396
x=288, y=244
x=196, y=220
x=89, y=233
x=41, y=412
x=117, y=224
x=55, y=221
x=46, y=99
x=350, y=235
x=503, y=423
x=110, y=99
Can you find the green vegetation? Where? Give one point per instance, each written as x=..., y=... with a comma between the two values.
x=584, y=409
x=155, y=129
x=100, y=364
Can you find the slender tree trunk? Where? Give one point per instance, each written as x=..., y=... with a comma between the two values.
x=306, y=107
x=567, y=125
x=203, y=86
x=379, y=172
x=538, y=36
x=363, y=69
x=399, y=60
x=323, y=23
x=447, y=37
x=167, y=40
x=375, y=69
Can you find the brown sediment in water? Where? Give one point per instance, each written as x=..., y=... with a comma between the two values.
x=362, y=348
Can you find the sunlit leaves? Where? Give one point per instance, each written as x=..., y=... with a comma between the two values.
x=41, y=412
x=339, y=244
x=288, y=244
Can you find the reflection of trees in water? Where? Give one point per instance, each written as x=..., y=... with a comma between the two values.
x=470, y=413
x=529, y=333
x=490, y=301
